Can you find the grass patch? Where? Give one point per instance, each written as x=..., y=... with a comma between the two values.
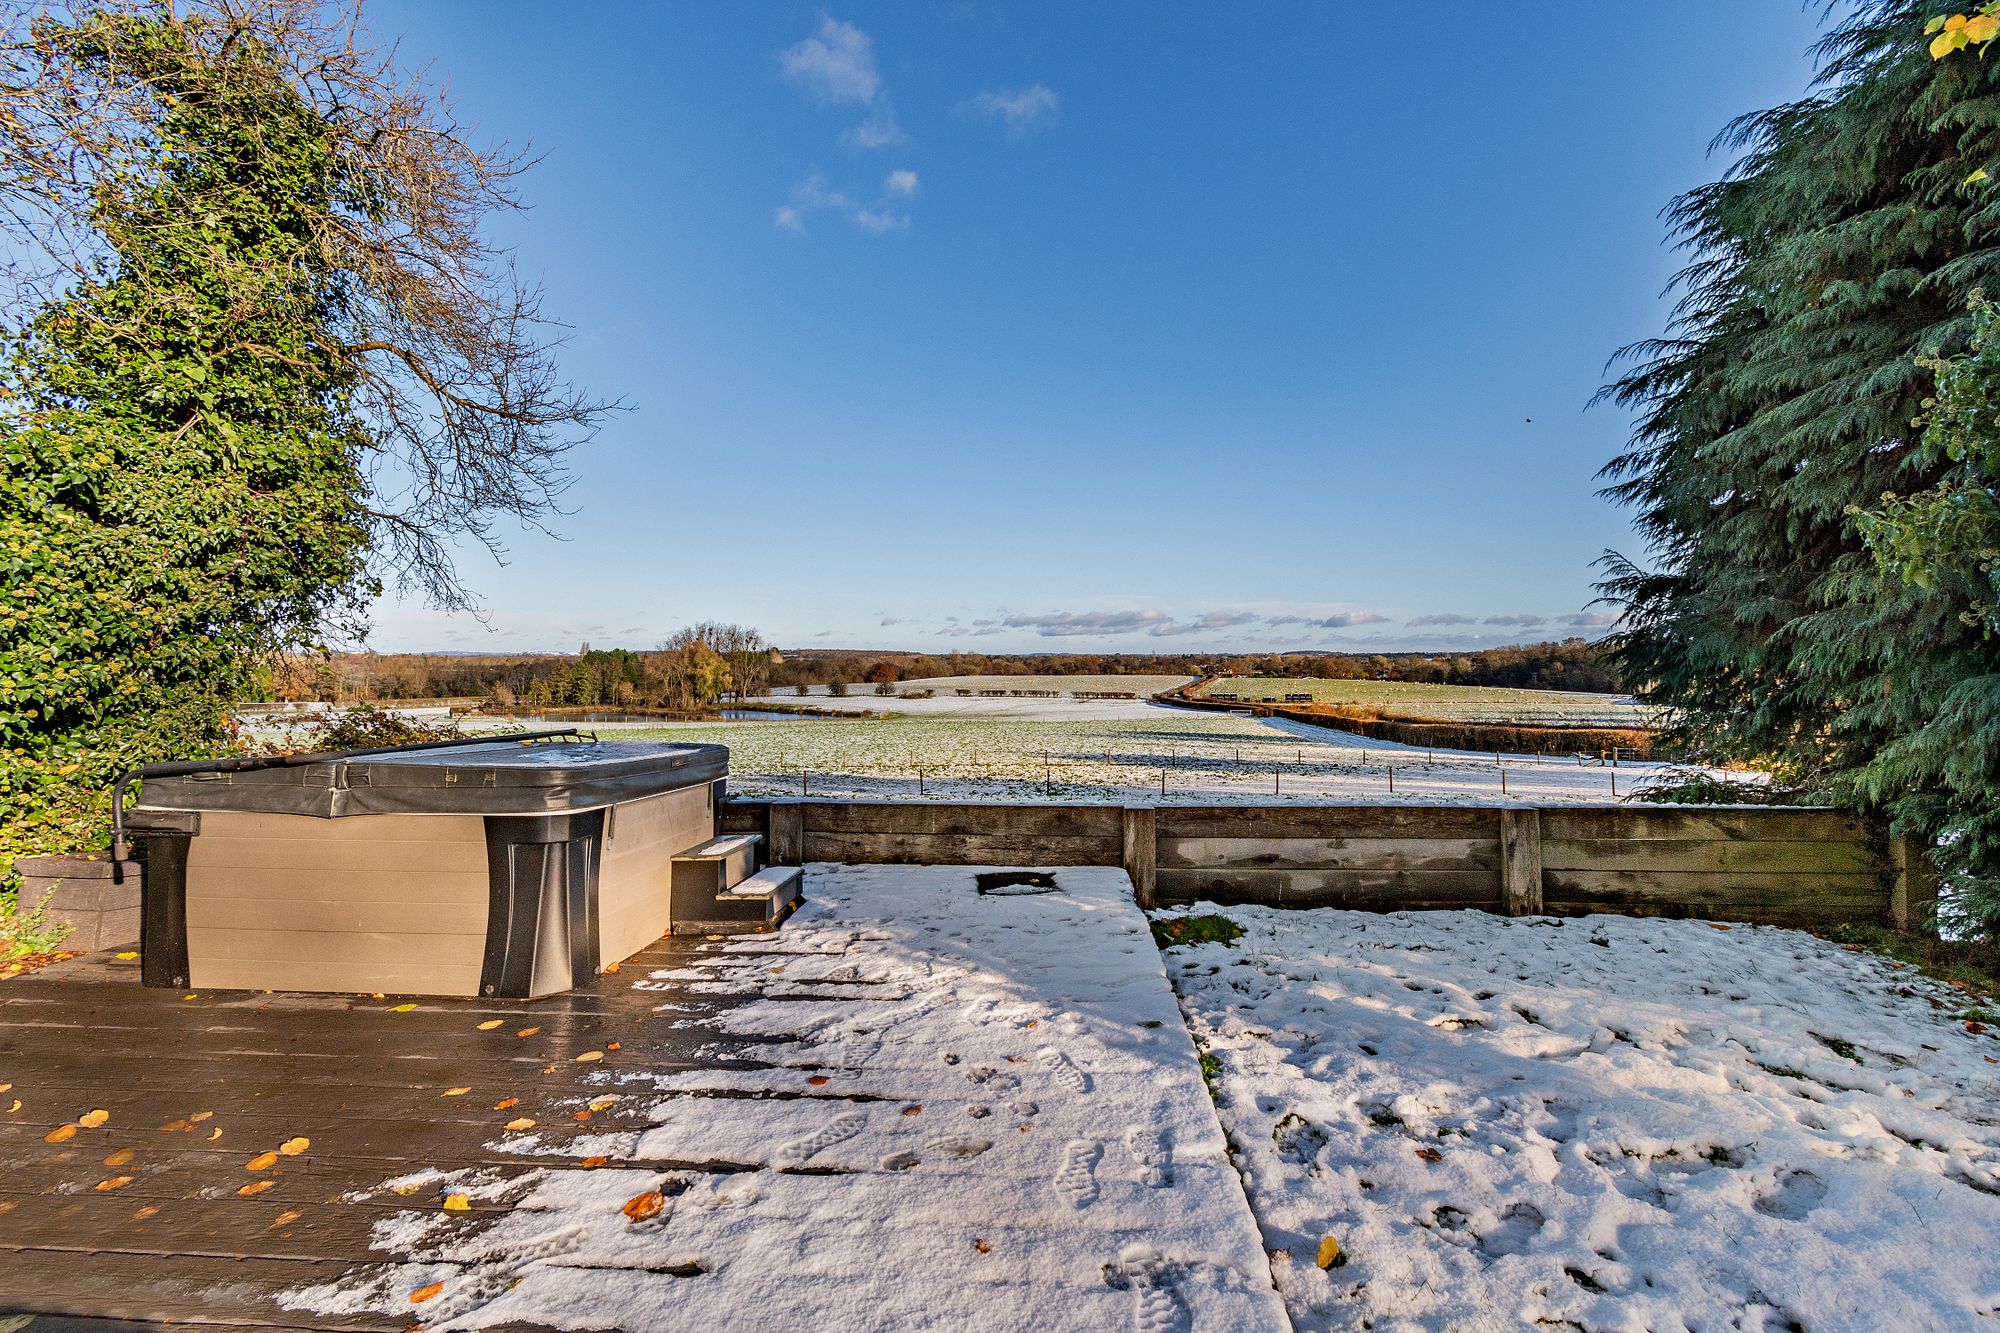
x=1968, y=966
x=1209, y=929
x=27, y=932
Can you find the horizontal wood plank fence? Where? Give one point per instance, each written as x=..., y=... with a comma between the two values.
x=1758, y=864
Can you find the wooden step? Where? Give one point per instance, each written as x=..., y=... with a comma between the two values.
x=760, y=902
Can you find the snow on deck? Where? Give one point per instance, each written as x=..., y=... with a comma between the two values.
x=978, y=1111
x=1601, y=1123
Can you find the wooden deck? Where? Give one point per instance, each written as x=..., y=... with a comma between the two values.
x=154, y=1216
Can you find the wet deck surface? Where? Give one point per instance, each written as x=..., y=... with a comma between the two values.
x=154, y=1215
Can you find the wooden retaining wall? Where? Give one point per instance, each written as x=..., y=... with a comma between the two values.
x=1761, y=864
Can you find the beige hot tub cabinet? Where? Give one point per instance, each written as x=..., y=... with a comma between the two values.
x=492, y=868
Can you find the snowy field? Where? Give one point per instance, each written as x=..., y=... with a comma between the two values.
x=1451, y=703
x=981, y=1111
x=1602, y=1123
x=1119, y=752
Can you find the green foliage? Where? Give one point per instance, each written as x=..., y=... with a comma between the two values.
x=26, y=931
x=1837, y=255
x=182, y=490
x=362, y=727
x=1973, y=968
x=1208, y=929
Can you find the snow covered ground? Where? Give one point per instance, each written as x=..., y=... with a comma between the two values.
x=982, y=1112
x=1601, y=1123
x=1070, y=755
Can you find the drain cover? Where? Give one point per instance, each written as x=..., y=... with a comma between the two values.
x=1015, y=883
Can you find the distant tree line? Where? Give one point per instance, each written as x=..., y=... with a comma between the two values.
x=709, y=663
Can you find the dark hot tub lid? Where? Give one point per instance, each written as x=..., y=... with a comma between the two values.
x=499, y=778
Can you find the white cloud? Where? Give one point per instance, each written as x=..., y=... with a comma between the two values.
x=900, y=182
x=1586, y=619
x=1446, y=618
x=1523, y=619
x=880, y=130
x=1019, y=109
x=788, y=217
x=812, y=195
x=879, y=220
x=836, y=64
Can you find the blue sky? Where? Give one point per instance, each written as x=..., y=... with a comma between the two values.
x=1052, y=327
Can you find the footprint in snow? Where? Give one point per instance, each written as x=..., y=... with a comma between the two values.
x=1518, y=1226
x=1153, y=1151
x=1157, y=1306
x=1065, y=1070
x=1798, y=1193
x=837, y=1130
x=1077, y=1180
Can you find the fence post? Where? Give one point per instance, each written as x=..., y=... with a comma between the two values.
x=1141, y=852
x=787, y=829
x=1521, y=862
x=1913, y=897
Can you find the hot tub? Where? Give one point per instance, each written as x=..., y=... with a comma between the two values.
x=501, y=867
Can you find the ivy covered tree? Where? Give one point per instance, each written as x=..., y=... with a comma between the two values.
x=1830, y=268
x=258, y=361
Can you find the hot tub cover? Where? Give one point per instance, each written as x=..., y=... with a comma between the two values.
x=501, y=778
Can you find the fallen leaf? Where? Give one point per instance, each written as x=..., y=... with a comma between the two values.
x=610, y=969
x=402, y=1008
x=817, y=1080
x=581, y=1116
x=14, y=1106
x=215, y=1134
x=261, y=1161
x=173, y=1126
x=115, y=1183
x=1329, y=1254
x=642, y=1206
x=141, y=1214
x=490, y=1024
x=523, y=1123
x=92, y=1119
x=256, y=1187
x=406, y=1189
x=503, y=1105
x=600, y=1103
x=457, y=1203
x=200, y=1116
x=527, y=1032
x=60, y=1134
x=293, y=1147
x=454, y=1092
x=588, y=1056
x=128, y=955
x=190, y=997
x=286, y=1218
x=913, y=1110
x=424, y=1293
x=1430, y=1155
x=613, y=1046
x=1033, y=1022
x=1717, y=925
x=592, y=1163
x=984, y=1247
x=119, y=1158
x=1974, y=1028
x=6, y=1087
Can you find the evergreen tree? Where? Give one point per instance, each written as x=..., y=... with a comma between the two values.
x=1838, y=254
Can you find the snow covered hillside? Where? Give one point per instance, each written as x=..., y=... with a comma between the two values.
x=1601, y=1123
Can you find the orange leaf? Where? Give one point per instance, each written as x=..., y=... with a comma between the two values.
x=424, y=1293
x=592, y=1163
x=173, y=1125
x=60, y=1134
x=581, y=1116
x=261, y=1161
x=527, y=1032
x=115, y=1183
x=92, y=1119
x=817, y=1080
x=612, y=1046
x=454, y=1092
x=503, y=1105
x=913, y=1110
x=1430, y=1155
x=610, y=969
x=256, y=1187
x=286, y=1218
x=141, y=1214
x=642, y=1206
x=119, y=1158
x=293, y=1147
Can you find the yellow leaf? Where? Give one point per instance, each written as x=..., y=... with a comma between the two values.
x=293, y=1147
x=1975, y=177
x=14, y=1106
x=6, y=1087
x=424, y=1293
x=642, y=1206
x=142, y=1214
x=1329, y=1254
x=261, y=1161
x=588, y=1056
x=1945, y=43
x=1954, y=23
x=490, y=1024
x=286, y=1218
x=60, y=1134
x=600, y=1103
x=216, y=1134
x=92, y=1119
x=454, y=1092
x=119, y=1158
x=200, y=1116
x=115, y=1183
x=402, y=1009
x=523, y=1123
x=457, y=1203
x=190, y=997
x=128, y=955
x=610, y=969
x=256, y=1187
x=1981, y=29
